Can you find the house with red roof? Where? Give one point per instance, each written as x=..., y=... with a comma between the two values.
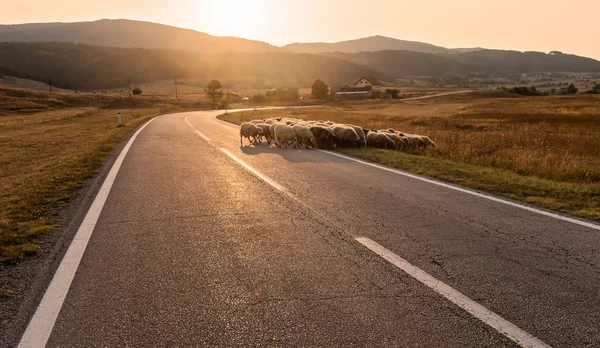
x=365, y=88
x=369, y=81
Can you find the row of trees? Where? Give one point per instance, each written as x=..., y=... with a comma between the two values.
x=278, y=95
x=532, y=91
x=595, y=89
x=319, y=90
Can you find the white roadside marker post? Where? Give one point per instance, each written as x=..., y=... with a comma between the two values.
x=119, y=118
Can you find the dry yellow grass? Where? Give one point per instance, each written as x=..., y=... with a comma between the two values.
x=46, y=156
x=545, y=139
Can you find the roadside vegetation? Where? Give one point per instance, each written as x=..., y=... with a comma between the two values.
x=541, y=150
x=52, y=143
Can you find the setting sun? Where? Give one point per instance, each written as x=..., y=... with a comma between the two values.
x=234, y=18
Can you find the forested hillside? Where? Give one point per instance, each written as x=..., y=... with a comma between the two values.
x=76, y=66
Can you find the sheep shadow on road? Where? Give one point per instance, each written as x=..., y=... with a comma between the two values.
x=293, y=155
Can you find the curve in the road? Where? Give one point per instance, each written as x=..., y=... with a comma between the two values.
x=43, y=320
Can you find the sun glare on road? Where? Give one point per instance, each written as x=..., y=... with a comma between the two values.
x=235, y=17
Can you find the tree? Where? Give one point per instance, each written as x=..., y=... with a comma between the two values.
x=393, y=93
x=136, y=91
x=283, y=94
x=319, y=89
x=224, y=103
x=571, y=89
x=213, y=91
x=259, y=98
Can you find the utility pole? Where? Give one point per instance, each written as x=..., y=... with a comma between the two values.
x=129, y=87
x=50, y=84
x=176, y=93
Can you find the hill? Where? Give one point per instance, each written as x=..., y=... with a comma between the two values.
x=482, y=62
x=78, y=66
x=20, y=83
x=130, y=34
x=372, y=44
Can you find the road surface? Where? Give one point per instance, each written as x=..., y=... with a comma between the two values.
x=201, y=242
x=437, y=95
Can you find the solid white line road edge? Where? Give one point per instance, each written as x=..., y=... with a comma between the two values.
x=40, y=327
x=473, y=193
x=488, y=317
x=457, y=188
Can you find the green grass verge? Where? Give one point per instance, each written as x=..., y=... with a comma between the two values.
x=582, y=200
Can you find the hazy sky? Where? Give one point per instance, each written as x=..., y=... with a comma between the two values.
x=536, y=25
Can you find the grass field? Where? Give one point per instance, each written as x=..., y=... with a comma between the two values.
x=541, y=150
x=50, y=145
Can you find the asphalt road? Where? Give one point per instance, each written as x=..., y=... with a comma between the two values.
x=192, y=249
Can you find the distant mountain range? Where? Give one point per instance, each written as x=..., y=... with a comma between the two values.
x=104, y=53
x=481, y=62
x=131, y=34
x=78, y=66
x=372, y=44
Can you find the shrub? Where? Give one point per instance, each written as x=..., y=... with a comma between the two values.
x=224, y=103
x=524, y=90
x=393, y=93
x=136, y=91
x=283, y=94
x=259, y=98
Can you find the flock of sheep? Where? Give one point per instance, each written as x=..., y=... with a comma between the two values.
x=285, y=132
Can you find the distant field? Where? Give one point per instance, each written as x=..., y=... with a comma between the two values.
x=541, y=150
x=50, y=145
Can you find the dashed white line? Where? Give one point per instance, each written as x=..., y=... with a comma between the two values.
x=40, y=327
x=199, y=133
x=202, y=135
x=490, y=318
x=248, y=167
x=437, y=95
x=255, y=171
x=473, y=193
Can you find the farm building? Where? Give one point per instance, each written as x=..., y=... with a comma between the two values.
x=355, y=92
x=369, y=81
x=365, y=88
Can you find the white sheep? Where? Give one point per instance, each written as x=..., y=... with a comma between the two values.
x=346, y=136
x=250, y=131
x=265, y=132
x=426, y=142
x=272, y=130
x=304, y=136
x=380, y=140
x=362, y=138
x=413, y=140
x=399, y=141
x=285, y=135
